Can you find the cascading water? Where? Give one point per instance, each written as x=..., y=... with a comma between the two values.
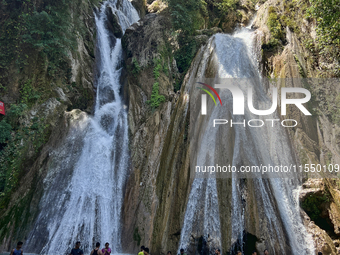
x=266, y=145
x=86, y=205
x=201, y=220
x=234, y=57
x=202, y=216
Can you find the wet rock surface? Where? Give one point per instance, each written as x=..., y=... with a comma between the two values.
x=113, y=24
x=314, y=137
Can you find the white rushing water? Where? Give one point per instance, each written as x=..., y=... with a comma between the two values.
x=202, y=215
x=86, y=205
x=235, y=56
x=267, y=145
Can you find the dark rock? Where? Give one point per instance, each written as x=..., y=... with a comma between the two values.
x=107, y=122
x=112, y=23
x=140, y=7
x=209, y=32
x=201, y=39
x=142, y=39
x=107, y=95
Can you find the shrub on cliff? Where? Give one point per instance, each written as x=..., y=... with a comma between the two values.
x=46, y=26
x=327, y=15
x=186, y=15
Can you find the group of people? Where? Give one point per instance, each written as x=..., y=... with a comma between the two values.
x=107, y=250
x=265, y=252
x=96, y=251
x=144, y=250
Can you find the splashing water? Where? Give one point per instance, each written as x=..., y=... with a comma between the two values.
x=278, y=197
x=86, y=203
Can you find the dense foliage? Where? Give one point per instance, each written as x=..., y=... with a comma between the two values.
x=186, y=17
x=327, y=15
x=15, y=140
x=42, y=26
x=186, y=14
x=226, y=6
x=275, y=27
x=189, y=16
x=36, y=40
x=312, y=204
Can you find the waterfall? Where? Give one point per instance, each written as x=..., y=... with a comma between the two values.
x=263, y=146
x=83, y=193
x=234, y=56
x=202, y=215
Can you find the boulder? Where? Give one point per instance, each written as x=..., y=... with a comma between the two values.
x=112, y=23
x=140, y=7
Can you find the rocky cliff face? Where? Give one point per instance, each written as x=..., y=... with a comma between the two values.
x=315, y=139
x=158, y=183
x=310, y=141
x=44, y=123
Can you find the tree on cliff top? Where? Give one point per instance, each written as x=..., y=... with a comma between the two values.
x=185, y=15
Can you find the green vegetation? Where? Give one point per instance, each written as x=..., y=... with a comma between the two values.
x=226, y=6
x=289, y=16
x=136, y=236
x=321, y=55
x=336, y=111
x=156, y=98
x=36, y=39
x=301, y=72
x=189, y=16
x=28, y=94
x=16, y=145
x=43, y=26
x=312, y=204
x=186, y=15
x=185, y=54
x=5, y=132
x=275, y=28
x=327, y=15
x=157, y=69
x=135, y=66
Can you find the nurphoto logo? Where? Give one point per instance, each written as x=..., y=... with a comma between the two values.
x=239, y=127
x=238, y=103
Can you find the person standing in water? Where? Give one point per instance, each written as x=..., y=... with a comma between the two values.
x=146, y=251
x=141, y=250
x=265, y=252
x=106, y=250
x=76, y=250
x=97, y=251
x=218, y=252
x=18, y=250
x=182, y=252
